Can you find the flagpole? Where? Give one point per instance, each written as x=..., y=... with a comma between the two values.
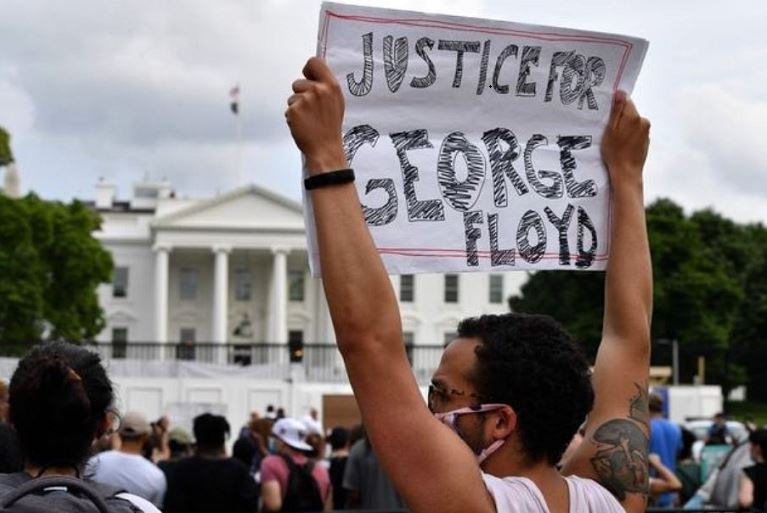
x=240, y=163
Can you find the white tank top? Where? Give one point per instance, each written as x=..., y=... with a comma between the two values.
x=520, y=495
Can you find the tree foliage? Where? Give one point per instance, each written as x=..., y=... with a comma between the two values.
x=50, y=266
x=707, y=273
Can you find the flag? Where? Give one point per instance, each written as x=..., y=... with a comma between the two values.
x=6, y=156
x=234, y=99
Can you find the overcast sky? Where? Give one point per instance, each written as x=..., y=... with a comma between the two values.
x=126, y=89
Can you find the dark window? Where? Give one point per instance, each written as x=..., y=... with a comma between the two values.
x=496, y=288
x=296, y=346
x=451, y=288
x=119, y=342
x=407, y=288
x=120, y=282
x=187, y=339
x=188, y=284
x=243, y=285
x=296, y=285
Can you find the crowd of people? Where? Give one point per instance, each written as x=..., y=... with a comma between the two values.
x=57, y=418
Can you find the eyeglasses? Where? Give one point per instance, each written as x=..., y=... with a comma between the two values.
x=449, y=417
x=439, y=395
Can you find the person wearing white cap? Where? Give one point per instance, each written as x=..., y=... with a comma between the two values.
x=125, y=467
x=289, y=480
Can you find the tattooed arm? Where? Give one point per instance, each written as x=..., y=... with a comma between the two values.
x=614, y=451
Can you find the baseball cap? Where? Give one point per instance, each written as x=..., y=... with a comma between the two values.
x=293, y=432
x=134, y=424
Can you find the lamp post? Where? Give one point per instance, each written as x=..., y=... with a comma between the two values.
x=674, y=343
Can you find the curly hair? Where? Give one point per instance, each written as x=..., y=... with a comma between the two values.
x=59, y=396
x=532, y=364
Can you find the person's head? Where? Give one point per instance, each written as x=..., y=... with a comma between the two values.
x=3, y=401
x=281, y=413
x=210, y=432
x=688, y=440
x=134, y=429
x=529, y=364
x=719, y=419
x=655, y=404
x=758, y=441
x=180, y=443
x=60, y=401
x=338, y=438
x=290, y=435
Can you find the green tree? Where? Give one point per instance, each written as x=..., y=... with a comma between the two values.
x=699, y=269
x=50, y=266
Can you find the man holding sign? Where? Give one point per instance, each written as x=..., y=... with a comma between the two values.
x=511, y=390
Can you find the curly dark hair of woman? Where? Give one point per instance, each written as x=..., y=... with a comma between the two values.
x=532, y=364
x=59, y=398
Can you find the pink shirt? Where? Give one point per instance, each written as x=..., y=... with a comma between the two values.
x=273, y=468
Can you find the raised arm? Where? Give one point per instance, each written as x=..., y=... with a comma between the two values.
x=615, y=448
x=421, y=456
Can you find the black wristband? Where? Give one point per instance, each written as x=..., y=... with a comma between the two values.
x=339, y=177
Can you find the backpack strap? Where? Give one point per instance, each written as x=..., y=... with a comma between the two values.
x=42, y=483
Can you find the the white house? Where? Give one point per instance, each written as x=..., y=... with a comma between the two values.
x=233, y=269
x=212, y=306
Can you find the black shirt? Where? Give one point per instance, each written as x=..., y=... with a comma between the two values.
x=11, y=459
x=209, y=485
x=758, y=475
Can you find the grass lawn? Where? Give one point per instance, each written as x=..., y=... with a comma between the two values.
x=740, y=410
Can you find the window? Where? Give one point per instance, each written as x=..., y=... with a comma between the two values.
x=449, y=337
x=188, y=285
x=451, y=288
x=120, y=282
x=187, y=338
x=119, y=342
x=296, y=346
x=296, y=285
x=496, y=288
x=408, y=337
x=243, y=284
x=406, y=288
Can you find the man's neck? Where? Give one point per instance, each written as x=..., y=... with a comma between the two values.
x=131, y=448
x=217, y=454
x=36, y=471
x=510, y=462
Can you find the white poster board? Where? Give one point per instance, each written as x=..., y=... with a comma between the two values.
x=476, y=143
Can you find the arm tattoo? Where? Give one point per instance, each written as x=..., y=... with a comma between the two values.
x=621, y=457
x=639, y=410
x=621, y=460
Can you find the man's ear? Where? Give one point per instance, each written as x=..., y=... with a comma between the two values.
x=506, y=422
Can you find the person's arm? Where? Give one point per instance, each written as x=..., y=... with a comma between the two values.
x=745, y=491
x=614, y=451
x=422, y=456
x=666, y=481
x=271, y=495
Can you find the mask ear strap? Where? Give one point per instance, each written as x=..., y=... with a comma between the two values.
x=489, y=450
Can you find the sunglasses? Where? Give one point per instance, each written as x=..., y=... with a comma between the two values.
x=439, y=395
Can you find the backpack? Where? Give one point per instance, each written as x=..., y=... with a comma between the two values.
x=58, y=494
x=303, y=493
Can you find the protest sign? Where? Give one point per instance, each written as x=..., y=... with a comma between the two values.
x=476, y=143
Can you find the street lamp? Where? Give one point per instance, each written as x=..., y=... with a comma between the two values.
x=674, y=343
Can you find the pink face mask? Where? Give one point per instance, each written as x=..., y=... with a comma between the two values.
x=449, y=418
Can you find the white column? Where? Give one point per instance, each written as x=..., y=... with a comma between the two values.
x=279, y=300
x=161, y=255
x=220, y=293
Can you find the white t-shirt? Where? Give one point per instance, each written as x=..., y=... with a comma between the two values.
x=135, y=474
x=521, y=495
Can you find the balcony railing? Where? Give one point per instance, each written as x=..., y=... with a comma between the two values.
x=317, y=362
